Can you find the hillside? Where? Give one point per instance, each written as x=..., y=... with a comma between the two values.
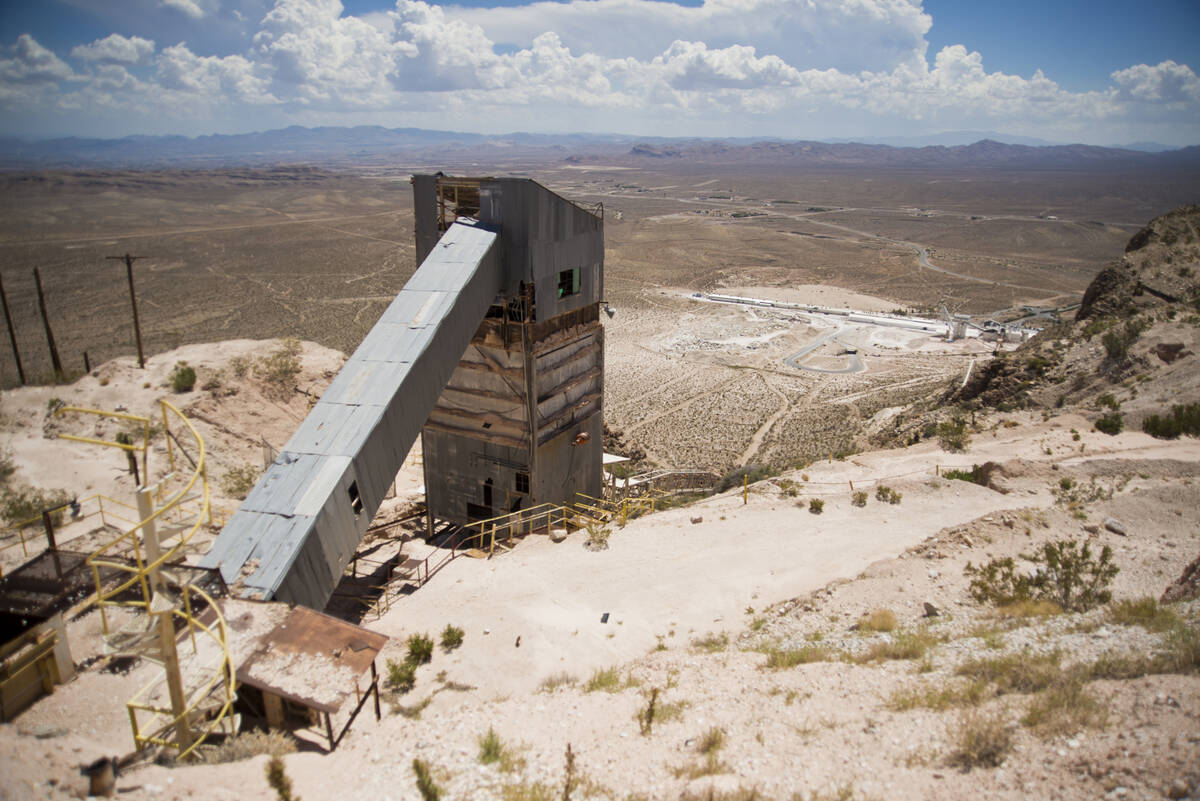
x=819, y=637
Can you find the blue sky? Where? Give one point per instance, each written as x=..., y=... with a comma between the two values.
x=1101, y=72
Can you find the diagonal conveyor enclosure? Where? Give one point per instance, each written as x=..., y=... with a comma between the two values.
x=295, y=533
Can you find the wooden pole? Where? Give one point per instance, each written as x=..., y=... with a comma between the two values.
x=54, y=360
x=137, y=328
x=12, y=334
x=162, y=608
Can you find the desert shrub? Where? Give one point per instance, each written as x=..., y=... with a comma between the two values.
x=240, y=366
x=1112, y=423
x=1038, y=365
x=597, y=536
x=426, y=786
x=420, y=649
x=238, y=481
x=1064, y=573
x=26, y=503
x=7, y=465
x=646, y=715
x=452, y=637
x=183, y=378
x=749, y=474
x=1097, y=325
x=816, y=506
x=981, y=740
x=490, y=748
x=878, y=620
x=887, y=495
x=278, y=779
x=281, y=366
x=976, y=475
x=953, y=435
x=1182, y=419
x=790, y=488
x=1116, y=341
x=858, y=498
x=402, y=676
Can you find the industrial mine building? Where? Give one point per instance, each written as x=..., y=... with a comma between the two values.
x=492, y=352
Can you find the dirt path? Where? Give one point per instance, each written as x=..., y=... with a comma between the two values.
x=759, y=435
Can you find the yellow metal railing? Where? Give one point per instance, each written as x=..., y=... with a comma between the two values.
x=105, y=514
x=179, y=501
x=173, y=493
x=162, y=721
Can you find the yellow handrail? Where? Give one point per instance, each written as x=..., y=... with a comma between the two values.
x=141, y=569
x=164, y=719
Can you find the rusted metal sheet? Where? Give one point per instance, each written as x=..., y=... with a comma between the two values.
x=312, y=659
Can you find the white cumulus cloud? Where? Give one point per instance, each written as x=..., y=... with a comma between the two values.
x=725, y=67
x=115, y=49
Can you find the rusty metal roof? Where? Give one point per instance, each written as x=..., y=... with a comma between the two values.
x=312, y=659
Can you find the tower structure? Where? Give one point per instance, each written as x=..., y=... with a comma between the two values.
x=519, y=422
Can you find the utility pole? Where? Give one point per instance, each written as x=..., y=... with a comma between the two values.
x=137, y=329
x=55, y=362
x=12, y=334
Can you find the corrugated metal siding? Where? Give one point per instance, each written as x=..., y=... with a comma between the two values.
x=298, y=522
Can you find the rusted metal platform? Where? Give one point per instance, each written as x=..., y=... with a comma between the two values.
x=317, y=662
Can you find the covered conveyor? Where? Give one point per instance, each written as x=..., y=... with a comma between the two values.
x=295, y=533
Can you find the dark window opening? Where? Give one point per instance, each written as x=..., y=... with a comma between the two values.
x=522, y=483
x=568, y=282
x=355, y=500
x=487, y=493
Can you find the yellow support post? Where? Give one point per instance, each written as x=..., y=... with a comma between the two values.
x=745, y=490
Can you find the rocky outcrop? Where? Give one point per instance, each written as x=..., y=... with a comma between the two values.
x=1161, y=265
x=1187, y=586
x=1110, y=294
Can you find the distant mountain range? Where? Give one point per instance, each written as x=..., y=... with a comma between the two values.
x=375, y=145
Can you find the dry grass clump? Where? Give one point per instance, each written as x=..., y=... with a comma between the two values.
x=906, y=645
x=1144, y=612
x=1064, y=707
x=609, y=680
x=1027, y=609
x=711, y=643
x=493, y=751
x=426, y=786
x=939, y=697
x=879, y=620
x=237, y=482
x=1015, y=673
x=790, y=657
x=250, y=744
x=554, y=681
x=708, y=746
x=280, y=367
x=981, y=740
x=739, y=794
